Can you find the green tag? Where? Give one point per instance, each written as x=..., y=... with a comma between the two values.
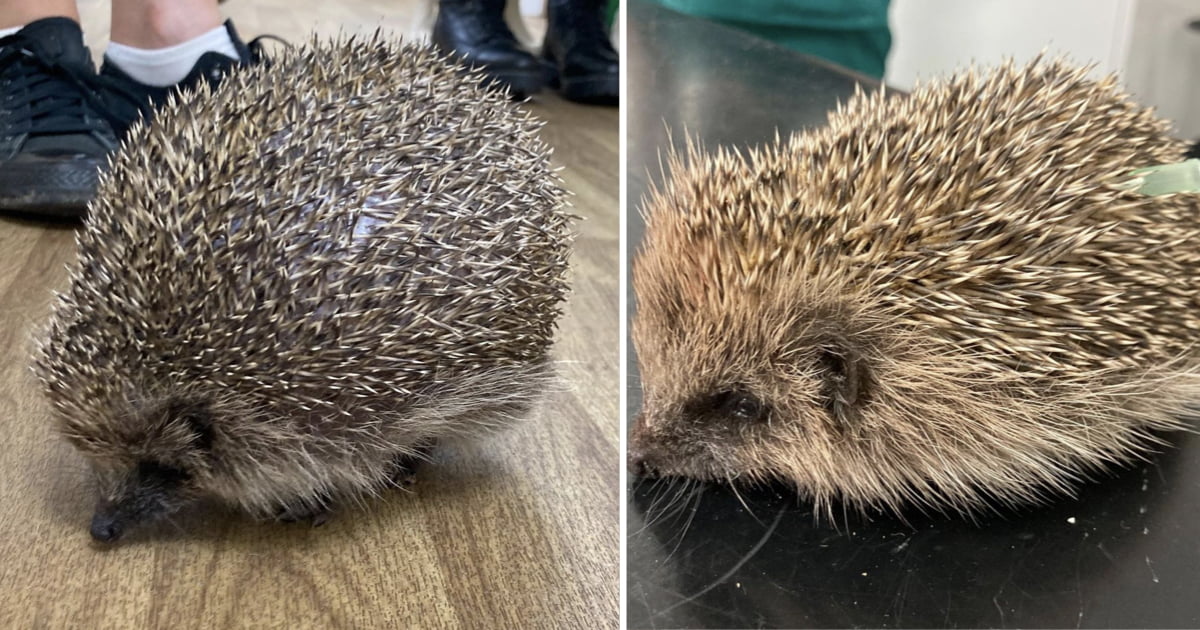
x=1166, y=179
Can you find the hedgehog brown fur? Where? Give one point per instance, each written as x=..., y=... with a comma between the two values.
x=287, y=290
x=944, y=298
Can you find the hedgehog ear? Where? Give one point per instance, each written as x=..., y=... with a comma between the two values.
x=197, y=417
x=845, y=380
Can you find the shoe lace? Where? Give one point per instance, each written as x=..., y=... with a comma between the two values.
x=45, y=96
x=258, y=52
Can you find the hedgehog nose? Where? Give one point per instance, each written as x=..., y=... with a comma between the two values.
x=639, y=463
x=105, y=528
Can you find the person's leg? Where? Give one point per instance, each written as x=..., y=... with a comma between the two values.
x=161, y=43
x=17, y=13
x=150, y=24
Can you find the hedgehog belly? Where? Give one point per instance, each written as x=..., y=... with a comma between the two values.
x=290, y=457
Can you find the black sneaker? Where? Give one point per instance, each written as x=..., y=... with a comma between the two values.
x=55, y=132
x=210, y=67
x=59, y=119
x=1193, y=151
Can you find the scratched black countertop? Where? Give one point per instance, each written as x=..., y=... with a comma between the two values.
x=1124, y=553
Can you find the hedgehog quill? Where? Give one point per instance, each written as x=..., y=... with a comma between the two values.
x=947, y=299
x=288, y=291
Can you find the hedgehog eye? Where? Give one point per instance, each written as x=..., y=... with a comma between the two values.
x=161, y=474
x=739, y=405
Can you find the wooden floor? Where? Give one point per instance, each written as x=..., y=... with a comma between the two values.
x=519, y=532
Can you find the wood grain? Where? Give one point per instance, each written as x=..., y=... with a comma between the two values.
x=520, y=531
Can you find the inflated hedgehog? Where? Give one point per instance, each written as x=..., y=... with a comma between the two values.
x=946, y=298
x=287, y=291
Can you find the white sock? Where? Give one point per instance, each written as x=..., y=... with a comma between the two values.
x=167, y=66
x=5, y=32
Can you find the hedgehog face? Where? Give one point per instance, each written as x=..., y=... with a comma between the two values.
x=147, y=466
x=798, y=375
x=702, y=438
x=734, y=400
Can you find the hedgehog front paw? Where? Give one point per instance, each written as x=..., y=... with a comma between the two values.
x=404, y=466
x=316, y=514
x=404, y=471
x=403, y=477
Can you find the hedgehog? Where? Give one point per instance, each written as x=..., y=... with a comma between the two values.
x=289, y=290
x=955, y=300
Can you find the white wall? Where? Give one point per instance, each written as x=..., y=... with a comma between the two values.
x=1146, y=42
x=935, y=37
x=1163, y=65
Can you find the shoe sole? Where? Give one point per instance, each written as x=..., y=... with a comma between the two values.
x=593, y=90
x=51, y=187
x=519, y=84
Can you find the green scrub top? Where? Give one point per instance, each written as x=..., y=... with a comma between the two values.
x=852, y=33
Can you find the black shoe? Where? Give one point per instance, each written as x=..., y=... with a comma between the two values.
x=1193, y=151
x=210, y=68
x=578, y=45
x=476, y=31
x=59, y=119
x=55, y=132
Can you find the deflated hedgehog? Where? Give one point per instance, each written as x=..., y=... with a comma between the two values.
x=287, y=291
x=945, y=299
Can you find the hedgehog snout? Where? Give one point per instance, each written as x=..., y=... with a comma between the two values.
x=106, y=528
x=114, y=518
x=641, y=464
x=150, y=491
x=644, y=460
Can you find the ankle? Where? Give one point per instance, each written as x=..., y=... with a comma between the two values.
x=154, y=24
x=18, y=14
x=163, y=67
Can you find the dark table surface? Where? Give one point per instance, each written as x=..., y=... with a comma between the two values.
x=1124, y=553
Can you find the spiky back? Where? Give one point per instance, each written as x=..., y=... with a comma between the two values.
x=353, y=224
x=1011, y=317
x=986, y=209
